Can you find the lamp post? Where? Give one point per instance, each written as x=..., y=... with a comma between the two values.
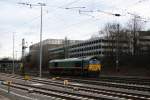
x=41, y=26
x=13, y=69
x=117, y=45
x=117, y=49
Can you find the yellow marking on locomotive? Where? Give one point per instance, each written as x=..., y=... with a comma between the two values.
x=94, y=67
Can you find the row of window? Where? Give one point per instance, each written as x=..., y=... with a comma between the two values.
x=96, y=47
x=91, y=54
x=85, y=43
x=95, y=42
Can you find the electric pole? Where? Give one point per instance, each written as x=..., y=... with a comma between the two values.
x=13, y=69
x=41, y=26
x=66, y=47
x=117, y=44
x=134, y=35
x=135, y=28
x=41, y=4
x=23, y=52
x=117, y=49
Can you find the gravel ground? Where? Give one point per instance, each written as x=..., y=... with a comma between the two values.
x=3, y=98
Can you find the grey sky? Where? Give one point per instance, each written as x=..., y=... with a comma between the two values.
x=59, y=22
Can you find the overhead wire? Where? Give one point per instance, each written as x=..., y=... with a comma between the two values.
x=138, y=2
x=56, y=7
x=75, y=1
x=130, y=13
x=70, y=3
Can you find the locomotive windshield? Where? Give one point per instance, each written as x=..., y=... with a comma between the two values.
x=94, y=61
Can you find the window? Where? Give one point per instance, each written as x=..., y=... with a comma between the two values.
x=55, y=64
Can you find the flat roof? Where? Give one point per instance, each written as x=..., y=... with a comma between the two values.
x=73, y=59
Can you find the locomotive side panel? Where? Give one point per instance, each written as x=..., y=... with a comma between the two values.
x=75, y=66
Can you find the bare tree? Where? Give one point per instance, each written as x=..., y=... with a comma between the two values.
x=117, y=37
x=94, y=36
x=111, y=32
x=135, y=25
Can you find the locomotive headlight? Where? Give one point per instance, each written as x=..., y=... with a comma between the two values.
x=94, y=67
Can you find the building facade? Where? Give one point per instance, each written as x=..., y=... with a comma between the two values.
x=93, y=47
x=143, y=43
x=103, y=47
x=34, y=51
x=63, y=48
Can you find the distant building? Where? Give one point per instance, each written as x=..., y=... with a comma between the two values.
x=103, y=47
x=34, y=51
x=94, y=47
x=7, y=66
x=60, y=48
x=143, y=42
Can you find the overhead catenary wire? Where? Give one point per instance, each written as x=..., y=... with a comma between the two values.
x=97, y=10
x=70, y=3
x=89, y=14
x=138, y=2
x=30, y=22
x=115, y=14
x=139, y=17
x=130, y=5
x=35, y=18
x=86, y=13
x=48, y=6
x=91, y=11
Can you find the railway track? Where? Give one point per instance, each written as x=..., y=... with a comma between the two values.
x=125, y=80
x=64, y=94
x=50, y=92
x=100, y=92
x=129, y=80
x=111, y=84
x=120, y=80
x=104, y=91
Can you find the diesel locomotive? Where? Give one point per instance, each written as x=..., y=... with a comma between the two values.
x=76, y=66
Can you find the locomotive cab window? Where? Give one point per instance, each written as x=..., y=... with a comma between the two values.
x=56, y=64
x=94, y=61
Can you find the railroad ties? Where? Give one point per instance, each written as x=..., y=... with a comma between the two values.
x=58, y=88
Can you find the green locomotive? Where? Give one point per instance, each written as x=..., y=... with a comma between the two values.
x=75, y=66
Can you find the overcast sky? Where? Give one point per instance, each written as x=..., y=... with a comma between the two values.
x=59, y=22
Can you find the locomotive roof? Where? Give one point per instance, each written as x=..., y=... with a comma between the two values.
x=73, y=59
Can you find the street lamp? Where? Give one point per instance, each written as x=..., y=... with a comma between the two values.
x=41, y=26
x=13, y=70
x=117, y=45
